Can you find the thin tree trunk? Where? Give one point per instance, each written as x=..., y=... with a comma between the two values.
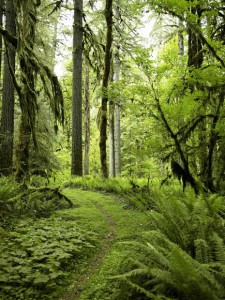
x=2, y=4
x=107, y=64
x=111, y=140
x=7, y=116
x=117, y=130
x=212, y=144
x=181, y=39
x=86, y=121
x=77, y=165
x=55, y=33
x=111, y=129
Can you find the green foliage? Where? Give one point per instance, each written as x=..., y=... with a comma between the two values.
x=111, y=185
x=182, y=254
x=29, y=203
x=168, y=271
x=38, y=203
x=8, y=189
x=136, y=193
x=36, y=258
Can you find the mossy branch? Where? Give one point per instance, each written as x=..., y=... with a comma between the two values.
x=43, y=190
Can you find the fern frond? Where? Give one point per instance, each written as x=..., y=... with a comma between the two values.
x=202, y=251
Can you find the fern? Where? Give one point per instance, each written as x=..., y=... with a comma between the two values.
x=182, y=256
x=167, y=270
x=8, y=189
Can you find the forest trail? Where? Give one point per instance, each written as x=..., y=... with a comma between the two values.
x=107, y=216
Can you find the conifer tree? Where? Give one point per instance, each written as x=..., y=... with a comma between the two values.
x=105, y=82
x=77, y=159
x=7, y=113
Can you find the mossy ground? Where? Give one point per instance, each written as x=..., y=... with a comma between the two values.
x=106, y=215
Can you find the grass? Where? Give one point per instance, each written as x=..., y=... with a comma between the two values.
x=104, y=214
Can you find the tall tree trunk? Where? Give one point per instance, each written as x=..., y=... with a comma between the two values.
x=27, y=121
x=77, y=165
x=107, y=63
x=54, y=38
x=195, y=53
x=2, y=4
x=195, y=59
x=117, y=131
x=86, y=120
x=111, y=140
x=7, y=116
x=22, y=149
x=27, y=95
x=212, y=145
x=111, y=128
x=181, y=39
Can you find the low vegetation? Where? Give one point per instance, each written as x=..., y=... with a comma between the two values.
x=155, y=243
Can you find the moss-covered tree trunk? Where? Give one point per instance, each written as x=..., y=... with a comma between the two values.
x=111, y=140
x=22, y=149
x=26, y=93
x=7, y=114
x=77, y=159
x=86, y=120
x=195, y=53
x=104, y=104
x=117, y=130
x=2, y=6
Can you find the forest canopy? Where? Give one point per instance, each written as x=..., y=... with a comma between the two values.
x=132, y=104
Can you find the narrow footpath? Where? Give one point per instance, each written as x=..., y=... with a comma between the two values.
x=106, y=215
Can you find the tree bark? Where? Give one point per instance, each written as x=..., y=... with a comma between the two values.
x=22, y=149
x=86, y=121
x=212, y=145
x=2, y=4
x=111, y=140
x=27, y=96
x=195, y=53
x=117, y=131
x=107, y=65
x=7, y=115
x=181, y=39
x=77, y=164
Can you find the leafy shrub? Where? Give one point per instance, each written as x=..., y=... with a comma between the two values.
x=36, y=259
x=38, y=203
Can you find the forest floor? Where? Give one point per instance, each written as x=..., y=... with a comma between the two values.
x=108, y=216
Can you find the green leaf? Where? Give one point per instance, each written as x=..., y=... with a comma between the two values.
x=41, y=278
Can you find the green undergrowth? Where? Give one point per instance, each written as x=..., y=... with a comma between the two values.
x=136, y=192
x=155, y=243
x=17, y=203
x=37, y=258
x=43, y=241
x=174, y=250
x=111, y=185
x=182, y=254
x=128, y=225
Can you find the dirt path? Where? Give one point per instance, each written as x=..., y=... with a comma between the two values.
x=94, y=265
x=107, y=216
